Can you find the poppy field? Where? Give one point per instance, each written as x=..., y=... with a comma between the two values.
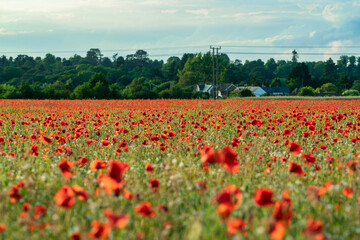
x=180, y=169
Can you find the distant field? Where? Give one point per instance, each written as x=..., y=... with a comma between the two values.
x=305, y=98
x=180, y=169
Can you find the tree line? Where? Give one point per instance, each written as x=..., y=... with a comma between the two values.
x=137, y=76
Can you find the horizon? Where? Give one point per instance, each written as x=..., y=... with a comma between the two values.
x=172, y=28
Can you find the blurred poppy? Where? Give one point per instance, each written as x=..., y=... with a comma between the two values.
x=263, y=197
x=145, y=209
x=236, y=225
x=295, y=148
x=99, y=230
x=296, y=168
x=118, y=221
x=65, y=197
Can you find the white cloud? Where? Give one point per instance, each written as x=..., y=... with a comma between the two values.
x=169, y=11
x=3, y=31
x=278, y=37
x=203, y=12
x=336, y=47
x=356, y=3
x=329, y=13
x=8, y=19
x=312, y=34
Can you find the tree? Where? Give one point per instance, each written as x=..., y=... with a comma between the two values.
x=171, y=68
x=299, y=76
x=271, y=65
x=138, y=89
x=306, y=91
x=295, y=56
x=351, y=92
x=94, y=56
x=356, y=85
x=245, y=92
x=330, y=72
x=328, y=87
x=276, y=82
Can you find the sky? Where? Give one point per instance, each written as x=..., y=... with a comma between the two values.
x=173, y=27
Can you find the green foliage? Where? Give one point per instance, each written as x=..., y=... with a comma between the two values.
x=139, y=88
x=299, y=76
x=306, y=91
x=245, y=92
x=351, y=92
x=356, y=85
x=93, y=74
x=201, y=95
x=328, y=87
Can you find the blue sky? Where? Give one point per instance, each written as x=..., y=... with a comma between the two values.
x=179, y=26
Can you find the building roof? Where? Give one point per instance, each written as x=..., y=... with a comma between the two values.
x=252, y=88
x=205, y=88
x=227, y=87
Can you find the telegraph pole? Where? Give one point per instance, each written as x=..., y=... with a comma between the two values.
x=215, y=82
x=217, y=68
x=213, y=73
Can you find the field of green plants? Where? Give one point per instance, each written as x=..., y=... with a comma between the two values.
x=180, y=169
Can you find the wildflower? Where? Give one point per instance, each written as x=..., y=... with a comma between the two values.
x=263, y=197
x=145, y=209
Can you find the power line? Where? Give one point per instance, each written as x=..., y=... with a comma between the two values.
x=282, y=53
x=187, y=47
x=291, y=47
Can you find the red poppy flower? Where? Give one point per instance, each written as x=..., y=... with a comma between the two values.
x=348, y=192
x=80, y=193
x=116, y=169
x=82, y=161
x=236, y=225
x=154, y=184
x=295, y=168
x=97, y=164
x=309, y=158
x=2, y=227
x=207, y=156
x=282, y=212
x=105, y=143
x=14, y=194
x=295, y=148
x=235, y=142
x=323, y=147
x=227, y=157
x=314, y=227
x=65, y=166
x=149, y=168
x=286, y=132
x=45, y=140
x=75, y=236
x=65, y=197
x=39, y=211
x=263, y=197
x=145, y=209
x=306, y=134
x=277, y=231
x=229, y=199
x=118, y=221
x=99, y=230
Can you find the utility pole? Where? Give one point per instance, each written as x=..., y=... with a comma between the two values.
x=213, y=73
x=217, y=68
x=215, y=82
